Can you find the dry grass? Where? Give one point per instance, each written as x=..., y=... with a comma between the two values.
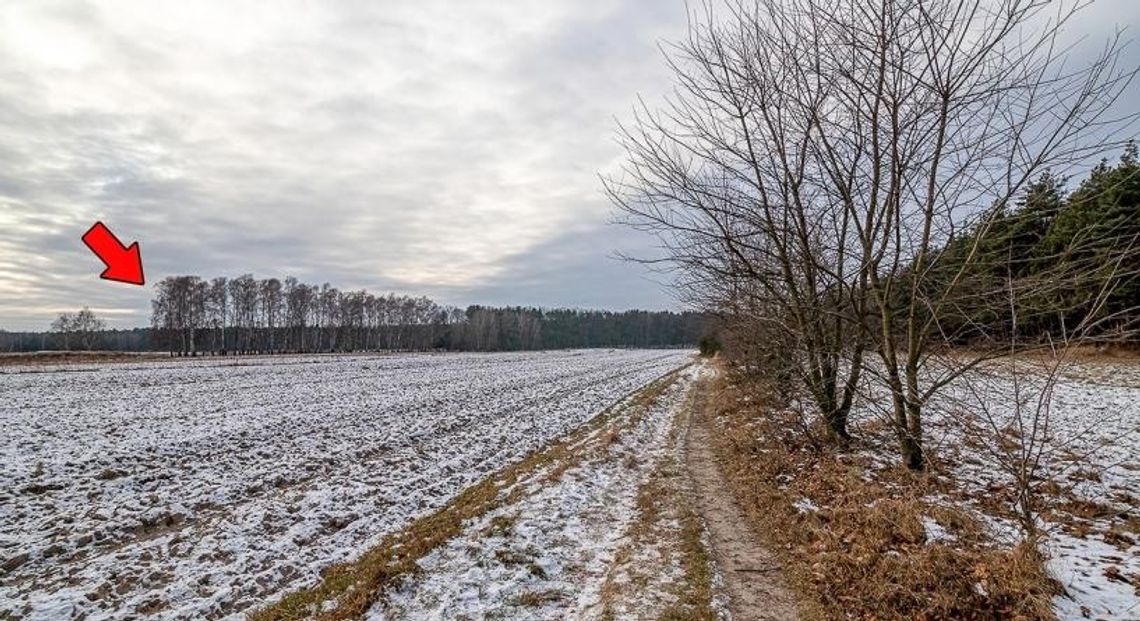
x=537, y=599
x=501, y=526
x=355, y=586
x=43, y=358
x=666, y=519
x=696, y=594
x=864, y=553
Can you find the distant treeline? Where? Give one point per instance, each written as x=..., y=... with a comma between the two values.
x=244, y=315
x=134, y=339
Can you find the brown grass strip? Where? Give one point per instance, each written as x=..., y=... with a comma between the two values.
x=864, y=553
x=696, y=597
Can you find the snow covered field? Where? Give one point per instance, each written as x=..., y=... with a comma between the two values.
x=200, y=489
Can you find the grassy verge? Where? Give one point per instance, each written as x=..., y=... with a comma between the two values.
x=45, y=358
x=853, y=535
x=696, y=596
x=666, y=521
x=348, y=590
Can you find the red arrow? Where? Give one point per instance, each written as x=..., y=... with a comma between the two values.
x=123, y=264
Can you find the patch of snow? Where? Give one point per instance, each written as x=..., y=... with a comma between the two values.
x=1081, y=565
x=935, y=533
x=805, y=505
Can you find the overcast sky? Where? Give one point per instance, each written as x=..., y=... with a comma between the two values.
x=446, y=148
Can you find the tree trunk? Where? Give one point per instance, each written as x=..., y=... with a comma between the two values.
x=914, y=457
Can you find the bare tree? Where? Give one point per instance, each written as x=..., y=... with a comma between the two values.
x=84, y=326
x=819, y=153
x=64, y=326
x=272, y=307
x=87, y=327
x=965, y=103
x=729, y=179
x=217, y=312
x=244, y=297
x=328, y=303
x=299, y=300
x=180, y=312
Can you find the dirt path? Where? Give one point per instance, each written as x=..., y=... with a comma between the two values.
x=751, y=573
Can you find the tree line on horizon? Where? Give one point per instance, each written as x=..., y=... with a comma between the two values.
x=241, y=316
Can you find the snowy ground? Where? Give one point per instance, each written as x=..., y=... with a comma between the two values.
x=1089, y=475
x=1091, y=458
x=580, y=542
x=200, y=489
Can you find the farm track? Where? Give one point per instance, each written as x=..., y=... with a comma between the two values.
x=753, y=574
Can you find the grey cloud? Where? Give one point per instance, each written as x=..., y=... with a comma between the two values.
x=577, y=270
x=435, y=147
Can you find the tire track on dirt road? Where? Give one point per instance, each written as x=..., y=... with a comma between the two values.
x=752, y=574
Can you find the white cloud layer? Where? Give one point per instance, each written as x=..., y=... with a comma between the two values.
x=439, y=147
x=429, y=147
